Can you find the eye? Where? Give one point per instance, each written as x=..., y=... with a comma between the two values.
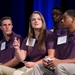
x=4, y=25
x=9, y=24
x=33, y=19
x=55, y=14
x=39, y=18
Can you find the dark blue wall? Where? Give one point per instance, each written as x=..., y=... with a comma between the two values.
x=20, y=11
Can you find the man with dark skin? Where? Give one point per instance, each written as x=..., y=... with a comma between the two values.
x=57, y=28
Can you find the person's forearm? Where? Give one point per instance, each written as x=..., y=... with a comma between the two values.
x=12, y=63
x=68, y=60
x=39, y=62
x=51, y=53
x=21, y=55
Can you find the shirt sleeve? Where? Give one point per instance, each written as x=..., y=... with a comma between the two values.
x=50, y=40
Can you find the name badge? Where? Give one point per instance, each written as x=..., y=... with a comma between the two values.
x=3, y=45
x=61, y=40
x=52, y=30
x=31, y=42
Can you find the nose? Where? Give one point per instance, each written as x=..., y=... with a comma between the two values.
x=36, y=20
x=7, y=26
x=54, y=16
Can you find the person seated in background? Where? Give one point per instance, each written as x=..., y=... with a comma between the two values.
x=56, y=15
x=64, y=61
x=7, y=51
x=38, y=44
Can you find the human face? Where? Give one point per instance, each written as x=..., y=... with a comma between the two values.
x=6, y=27
x=36, y=21
x=67, y=20
x=56, y=15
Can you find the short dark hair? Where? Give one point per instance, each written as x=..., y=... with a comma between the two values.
x=5, y=18
x=70, y=12
x=58, y=8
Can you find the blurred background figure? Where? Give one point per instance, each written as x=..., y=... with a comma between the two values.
x=57, y=28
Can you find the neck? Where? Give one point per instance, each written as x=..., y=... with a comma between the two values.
x=36, y=33
x=7, y=37
x=56, y=24
x=71, y=29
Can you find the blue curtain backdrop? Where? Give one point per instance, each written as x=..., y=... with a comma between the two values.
x=71, y=4
x=20, y=11
x=45, y=7
x=18, y=16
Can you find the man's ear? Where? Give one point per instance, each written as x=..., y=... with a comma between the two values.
x=12, y=26
x=0, y=27
x=73, y=19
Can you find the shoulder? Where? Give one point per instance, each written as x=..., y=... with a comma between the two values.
x=49, y=33
x=25, y=39
x=17, y=35
x=1, y=41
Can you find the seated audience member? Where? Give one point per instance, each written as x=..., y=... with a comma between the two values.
x=7, y=51
x=57, y=28
x=64, y=61
x=67, y=67
x=38, y=44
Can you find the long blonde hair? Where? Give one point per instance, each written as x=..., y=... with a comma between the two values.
x=41, y=39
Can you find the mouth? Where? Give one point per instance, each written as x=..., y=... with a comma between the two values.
x=54, y=19
x=7, y=30
x=36, y=24
x=63, y=25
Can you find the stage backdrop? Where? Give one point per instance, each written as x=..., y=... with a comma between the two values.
x=20, y=11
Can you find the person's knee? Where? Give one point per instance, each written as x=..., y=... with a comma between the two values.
x=59, y=68
x=1, y=73
x=38, y=66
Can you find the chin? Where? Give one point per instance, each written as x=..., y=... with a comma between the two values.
x=8, y=33
x=64, y=27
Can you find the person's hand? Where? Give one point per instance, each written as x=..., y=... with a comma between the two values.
x=0, y=63
x=45, y=62
x=30, y=64
x=16, y=43
x=54, y=62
